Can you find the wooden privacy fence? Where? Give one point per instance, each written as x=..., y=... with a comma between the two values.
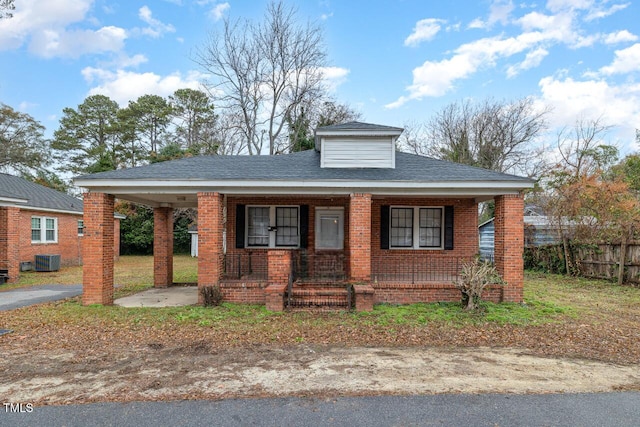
x=603, y=261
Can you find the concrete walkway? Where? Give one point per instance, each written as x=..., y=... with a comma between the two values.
x=174, y=296
x=22, y=297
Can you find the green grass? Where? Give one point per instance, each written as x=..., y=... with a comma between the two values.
x=548, y=299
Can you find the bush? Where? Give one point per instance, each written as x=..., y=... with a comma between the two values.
x=474, y=277
x=212, y=295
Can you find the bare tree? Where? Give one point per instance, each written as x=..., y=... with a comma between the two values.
x=6, y=8
x=492, y=135
x=261, y=72
x=582, y=148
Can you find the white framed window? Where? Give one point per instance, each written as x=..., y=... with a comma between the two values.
x=80, y=227
x=44, y=229
x=416, y=227
x=273, y=226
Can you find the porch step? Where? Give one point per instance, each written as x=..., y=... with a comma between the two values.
x=328, y=295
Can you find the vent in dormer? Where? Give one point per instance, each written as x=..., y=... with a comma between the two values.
x=357, y=145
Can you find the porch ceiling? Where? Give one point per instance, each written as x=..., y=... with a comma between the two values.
x=187, y=198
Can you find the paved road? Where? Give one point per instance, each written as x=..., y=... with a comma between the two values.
x=22, y=297
x=494, y=410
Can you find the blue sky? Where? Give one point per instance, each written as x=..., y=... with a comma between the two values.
x=394, y=61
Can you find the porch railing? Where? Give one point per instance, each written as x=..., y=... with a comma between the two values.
x=328, y=266
x=246, y=265
x=415, y=268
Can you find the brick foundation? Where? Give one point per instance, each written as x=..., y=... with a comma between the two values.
x=407, y=293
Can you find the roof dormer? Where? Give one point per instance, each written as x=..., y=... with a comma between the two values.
x=357, y=145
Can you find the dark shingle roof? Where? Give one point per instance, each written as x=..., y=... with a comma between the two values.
x=37, y=196
x=359, y=126
x=303, y=166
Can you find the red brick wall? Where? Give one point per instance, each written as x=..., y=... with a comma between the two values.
x=97, y=245
x=509, y=244
x=9, y=235
x=440, y=262
x=232, y=202
x=465, y=240
x=69, y=245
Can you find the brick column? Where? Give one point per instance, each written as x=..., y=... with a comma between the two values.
x=97, y=249
x=279, y=268
x=210, y=229
x=509, y=244
x=360, y=237
x=162, y=247
x=10, y=241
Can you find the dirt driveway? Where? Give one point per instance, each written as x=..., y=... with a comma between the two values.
x=155, y=372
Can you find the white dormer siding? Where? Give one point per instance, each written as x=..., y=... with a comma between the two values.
x=346, y=152
x=357, y=145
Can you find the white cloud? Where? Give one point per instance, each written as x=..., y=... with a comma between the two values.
x=54, y=43
x=217, y=12
x=625, y=61
x=334, y=77
x=425, y=30
x=620, y=37
x=43, y=26
x=618, y=105
x=499, y=11
x=124, y=86
x=531, y=60
x=597, y=12
x=540, y=31
x=326, y=16
x=156, y=28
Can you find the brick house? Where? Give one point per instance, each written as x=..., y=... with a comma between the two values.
x=351, y=220
x=39, y=220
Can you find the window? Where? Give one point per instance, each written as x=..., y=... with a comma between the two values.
x=80, y=227
x=44, y=229
x=284, y=233
x=430, y=227
x=286, y=226
x=258, y=227
x=402, y=227
x=416, y=227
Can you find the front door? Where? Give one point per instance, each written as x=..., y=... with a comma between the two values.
x=329, y=229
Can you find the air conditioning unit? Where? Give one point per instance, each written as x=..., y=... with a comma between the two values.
x=47, y=262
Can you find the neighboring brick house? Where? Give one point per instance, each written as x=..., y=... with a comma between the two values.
x=302, y=228
x=38, y=220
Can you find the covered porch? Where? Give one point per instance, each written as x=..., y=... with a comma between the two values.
x=362, y=248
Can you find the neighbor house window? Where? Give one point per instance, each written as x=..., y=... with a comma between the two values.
x=416, y=227
x=80, y=227
x=273, y=226
x=44, y=229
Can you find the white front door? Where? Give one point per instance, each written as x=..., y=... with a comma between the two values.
x=329, y=228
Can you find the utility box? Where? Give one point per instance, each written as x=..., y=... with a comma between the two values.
x=47, y=262
x=26, y=266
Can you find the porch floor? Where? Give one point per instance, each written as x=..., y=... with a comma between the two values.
x=175, y=296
